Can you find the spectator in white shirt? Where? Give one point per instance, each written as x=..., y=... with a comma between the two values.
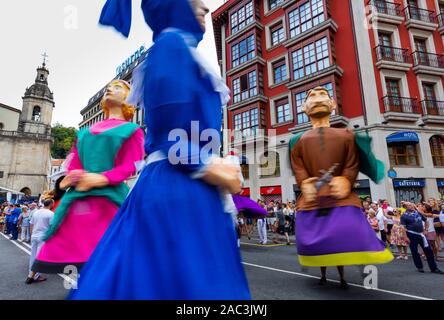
x=40, y=222
x=382, y=221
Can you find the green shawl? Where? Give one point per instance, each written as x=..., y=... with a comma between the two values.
x=97, y=153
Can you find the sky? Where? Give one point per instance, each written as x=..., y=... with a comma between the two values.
x=83, y=56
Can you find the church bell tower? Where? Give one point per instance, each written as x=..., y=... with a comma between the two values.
x=38, y=104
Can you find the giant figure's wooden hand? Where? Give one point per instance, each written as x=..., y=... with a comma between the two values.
x=309, y=190
x=340, y=187
x=89, y=181
x=71, y=179
x=222, y=174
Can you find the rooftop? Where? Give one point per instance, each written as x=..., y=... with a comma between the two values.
x=4, y=106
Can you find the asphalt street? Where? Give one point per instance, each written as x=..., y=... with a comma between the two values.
x=272, y=270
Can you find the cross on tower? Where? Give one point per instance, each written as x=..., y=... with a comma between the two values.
x=44, y=58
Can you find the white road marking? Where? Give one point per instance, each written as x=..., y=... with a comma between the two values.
x=17, y=244
x=336, y=281
x=262, y=267
x=26, y=244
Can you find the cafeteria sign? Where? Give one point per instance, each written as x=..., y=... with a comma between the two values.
x=409, y=183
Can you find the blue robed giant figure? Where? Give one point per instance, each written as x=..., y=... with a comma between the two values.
x=171, y=238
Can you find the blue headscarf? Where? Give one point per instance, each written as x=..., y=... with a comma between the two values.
x=159, y=15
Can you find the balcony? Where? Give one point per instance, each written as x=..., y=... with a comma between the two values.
x=428, y=63
x=393, y=58
x=384, y=11
x=440, y=18
x=433, y=111
x=248, y=99
x=401, y=109
x=420, y=18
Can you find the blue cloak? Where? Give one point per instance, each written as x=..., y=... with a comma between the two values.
x=171, y=238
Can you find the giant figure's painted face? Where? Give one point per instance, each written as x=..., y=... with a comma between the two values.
x=200, y=11
x=318, y=103
x=116, y=91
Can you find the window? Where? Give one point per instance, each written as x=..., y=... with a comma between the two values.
x=243, y=51
x=246, y=123
x=385, y=39
x=36, y=114
x=242, y=17
x=430, y=104
x=270, y=165
x=236, y=91
x=311, y=58
x=279, y=72
x=1, y=174
x=306, y=16
x=420, y=45
x=283, y=113
x=392, y=86
x=299, y=100
x=386, y=49
x=429, y=91
x=395, y=103
x=403, y=155
x=245, y=87
x=437, y=148
x=277, y=34
x=273, y=4
x=2, y=125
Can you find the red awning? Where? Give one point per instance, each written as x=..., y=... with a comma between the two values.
x=245, y=192
x=271, y=190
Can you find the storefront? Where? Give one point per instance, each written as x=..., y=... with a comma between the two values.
x=297, y=191
x=245, y=192
x=441, y=187
x=271, y=194
x=362, y=188
x=411, y=190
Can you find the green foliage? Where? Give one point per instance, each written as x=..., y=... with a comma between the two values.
x=63, y=140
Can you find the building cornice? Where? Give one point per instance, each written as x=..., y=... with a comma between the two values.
x=246, y=102
x=4, y=106
x=246, y=65
x=243, y=31
x=39, y=98
x=327, y=24
x=333, y=70
x=401, y=127
x=334, y=121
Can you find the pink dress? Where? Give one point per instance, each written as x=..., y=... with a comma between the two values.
x=88, y=219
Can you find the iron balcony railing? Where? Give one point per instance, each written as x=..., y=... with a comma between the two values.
x=428, y=59
x=386, y=7
x=433, y=107
x=401, y=104
x=415, y=13
x=386, y=53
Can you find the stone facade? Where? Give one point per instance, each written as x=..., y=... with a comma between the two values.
x=26, y=148
x=9, y=118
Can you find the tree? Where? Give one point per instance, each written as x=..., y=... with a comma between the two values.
x=64, y=138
